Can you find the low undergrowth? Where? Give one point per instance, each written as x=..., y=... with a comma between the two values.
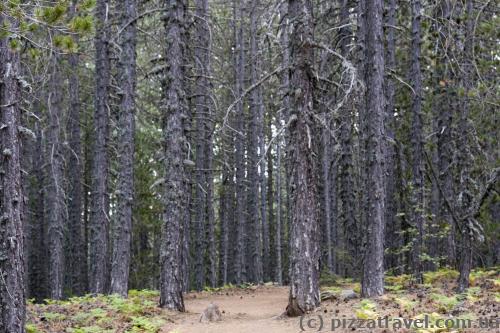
x=98, y=314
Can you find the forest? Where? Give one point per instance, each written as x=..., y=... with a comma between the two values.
x=240, y=165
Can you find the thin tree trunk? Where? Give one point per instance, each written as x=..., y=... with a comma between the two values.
x=37, y=269
x=120, y=265
x=175, y=148
x=255, y=220
x=464, y=164
x=12, y=296
x=346, y=167
x=99, y=206
x=304, y=234
x=77, y=268
x=373, y=116
x=239, y=63
x=390, y=90
x=325, y=165
x=54, y=191
x=417, y=142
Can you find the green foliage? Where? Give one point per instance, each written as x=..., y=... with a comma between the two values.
x=53, y=14
x=146, y=325
x=399, y=282
x=445, y=303
x=65, y=42
x=405, y=303
x=82, y=24
x=31, y=328
x=87, y=4
x=54, y=316
x=103, y=313
x=366, y=310
x=441, y=275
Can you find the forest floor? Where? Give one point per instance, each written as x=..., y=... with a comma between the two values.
x=259, y=309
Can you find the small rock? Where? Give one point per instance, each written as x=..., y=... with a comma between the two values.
x=210, y=314
x=348, y=294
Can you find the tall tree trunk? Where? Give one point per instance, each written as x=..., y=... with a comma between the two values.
x=176, y=156
x=390, y=158
x=239, y=63
x=346, y=167
x=37, y=270
x=77, y=260
x=465, y=163
x=99, y=214
x=55, y=191
x=372, y=127
x=203, y=221
x=285, y=98
x=444, y=117
x=325, y=166
x=254, y=129
x=12, y=296
x=304, y=234
x=126, y=147
x=417, y=142
x=270, y=261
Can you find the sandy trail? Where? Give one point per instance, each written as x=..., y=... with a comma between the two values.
x=243, y=311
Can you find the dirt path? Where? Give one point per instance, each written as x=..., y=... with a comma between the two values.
x=243, y=311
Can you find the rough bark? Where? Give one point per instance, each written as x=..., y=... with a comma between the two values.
x=99, y=206
x=346, y=166
x=12, y=296
x=239, y=63
x=417, y=142
x=444, y=117
x=175, y=149
x=254, y=130
x=77, y=260
x=37, y=269
x=325, y=168
x=54, y=188
x=304, y=234
x=372, y=127
x=390, y=158
x=126, y=147
x=285, y=98
x=465, y=201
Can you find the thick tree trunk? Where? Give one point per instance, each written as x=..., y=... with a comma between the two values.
x=372, y=127
x=175, y=148
x=417, y=143
x=99, y=206
x=304, y=234
x=12, y=296
x=126, y=147
x=55, y=189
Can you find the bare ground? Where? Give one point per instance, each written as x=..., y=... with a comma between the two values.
x=255, y=310
x=260, y=310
